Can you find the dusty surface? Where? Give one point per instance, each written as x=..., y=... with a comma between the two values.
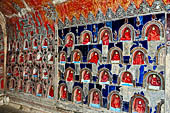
x=9, y=109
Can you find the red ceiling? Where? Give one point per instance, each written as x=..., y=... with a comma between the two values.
x=72, y=7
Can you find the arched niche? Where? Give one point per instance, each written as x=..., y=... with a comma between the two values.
x=126, y=79
x=51, y=92
x=35, y=43
x=13, y=59
x=153, y=81
x=115, y=55
x=126, y=32
x=50, y=58
x=39, y=57
x=12, y=84
x=35, y=72
x=62, y=92
x=21, y=58
x=1, y=83
x=76, y=56
x=77, y=95
x=62, y=57
x=115, y=102
x=9, y=70
x=153, y=31
x=138, y=104
x=30, y=57
x=69, y=74
x=85, y=37
x=39, y=90
x=94, y=56
x=95, y=98
x=69, y=39
x=104, y=76
x=29, y=87
x=161, y=56
x=26, y=71
x=139, y=56
x=26, y=44
x=85, y=75
x=16, y=72
x=19, y=85
x=105, y=35
x=45, y=73
x=45, y=43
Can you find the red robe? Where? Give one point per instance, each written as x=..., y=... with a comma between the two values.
x=115, y=56
x=69, y=42
x=139, y=105
x=155, y=81
x=40, y=91
x=138, y=59
x=115, y=102
x=21, y=59
x=16, y=73
x=77, y=57
x=126, y=78
x=126, y=34
x=86, y=76
x=62, y=57
x=63, y=92
x=105, y=39
x=153, y=35
x=40, y=59
x=51, y=93
x=35, y=43
x=86, y=39
x=45, y=43
x=70, y=76
x=95, y=99
x=104, y=77
x=45, y=73
x=26, y=44
x=94, y=58
x=30, y=57
x=78, y=95
x=13, y=59
x=51, y=59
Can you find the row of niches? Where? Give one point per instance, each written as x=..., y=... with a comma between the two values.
x=38, y=57
x=36, y=73
x=36, y=43
x=105, y=33
x=43, y=89
x=93, y=98
x=115, y=54
x=126, y=33
x=151, y=80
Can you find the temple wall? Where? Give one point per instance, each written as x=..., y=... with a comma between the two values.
x=108, y=63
